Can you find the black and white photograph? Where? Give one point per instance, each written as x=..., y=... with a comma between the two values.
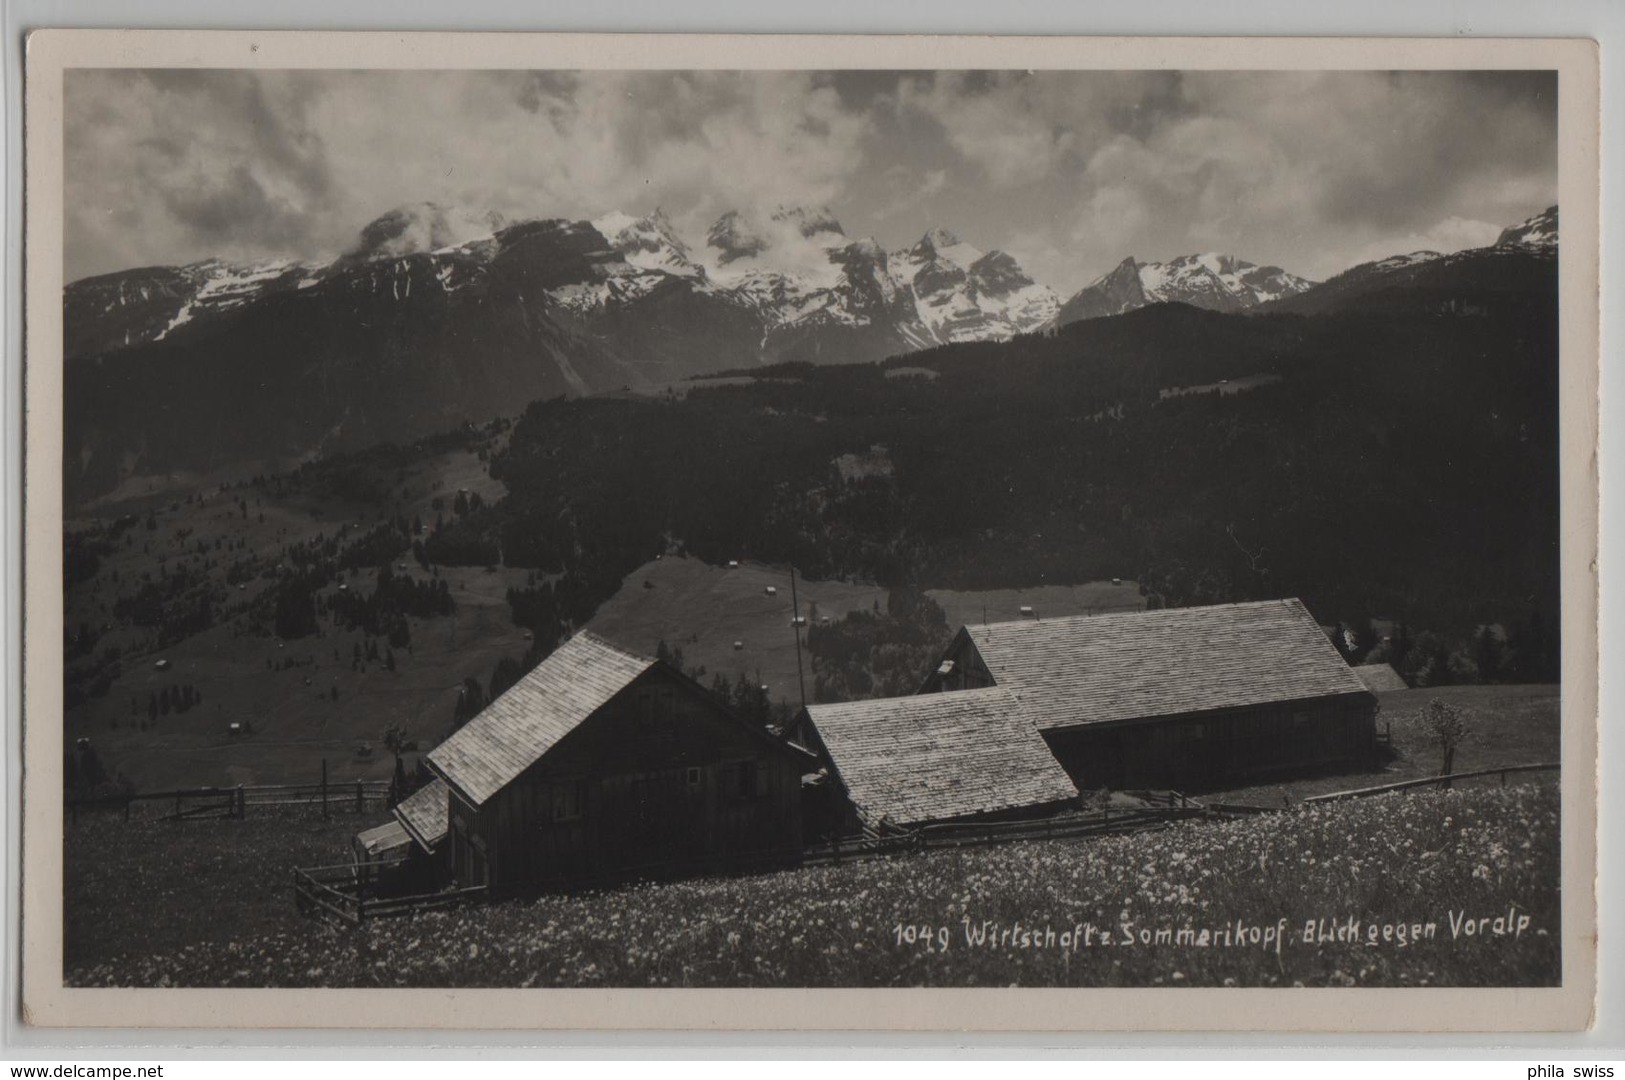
x=813, y=528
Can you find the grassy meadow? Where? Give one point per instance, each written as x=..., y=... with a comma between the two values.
x=703, y=609
x=1408, y=874
x=302, y=700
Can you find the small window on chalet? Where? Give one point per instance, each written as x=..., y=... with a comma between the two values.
x=1196, y=732
x=646, y=709
x=1299, y=719
x=569, y=800
x=693, y=777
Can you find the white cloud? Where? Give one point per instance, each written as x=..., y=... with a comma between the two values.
x=299, y=161
x=1447, y=236
x=1306, y=170
x=912, y=192
x=997, y=128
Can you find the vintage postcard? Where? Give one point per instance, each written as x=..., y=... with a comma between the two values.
x=720, y=533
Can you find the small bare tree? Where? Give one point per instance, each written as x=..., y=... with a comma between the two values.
x=395, y=742
x=1448, y=728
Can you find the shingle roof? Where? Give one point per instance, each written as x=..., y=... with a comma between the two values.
x=938, y=756
x=423, y=813
x=516, y=729
x=383, y=839
x=1089, y=670
x=1380, y=677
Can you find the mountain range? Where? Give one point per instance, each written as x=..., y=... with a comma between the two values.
x=437, y=316
x=794, y=273
x=1212, y=281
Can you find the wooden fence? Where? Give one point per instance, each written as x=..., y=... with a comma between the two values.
x=1442, y=780
x=352, y=893
x=1107, y=820
x=357, y=796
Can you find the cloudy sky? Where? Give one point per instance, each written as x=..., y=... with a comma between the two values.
x=1068, y=171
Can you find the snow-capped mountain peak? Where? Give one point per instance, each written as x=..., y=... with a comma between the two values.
x=1209, y=280
x=648, y=243
x=963, y=294
x=940, y=244
x=1538, y=232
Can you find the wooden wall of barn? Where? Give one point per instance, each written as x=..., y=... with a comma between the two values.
x=659, y=782
x=1202, y=751
x=968, y=671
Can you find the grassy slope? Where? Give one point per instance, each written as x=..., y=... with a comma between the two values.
x=295, y=722
x=152, y=886
x=1047, y=601
x=1410, y=858
x=704, y=609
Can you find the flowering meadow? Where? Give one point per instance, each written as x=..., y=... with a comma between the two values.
x=163, y=885
x=1440, y=888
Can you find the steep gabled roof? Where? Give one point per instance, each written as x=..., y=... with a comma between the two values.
x=423, y=813
x=1096, y=669
x=514, y=731
x=939, y=756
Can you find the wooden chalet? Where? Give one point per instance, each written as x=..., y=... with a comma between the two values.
x=601, y=765
x=902, y=762
x=1187, y=698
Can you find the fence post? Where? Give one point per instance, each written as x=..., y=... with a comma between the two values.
x=358, y=804
x=324, y=787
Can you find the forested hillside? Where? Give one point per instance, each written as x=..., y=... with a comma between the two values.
x=1399, y=466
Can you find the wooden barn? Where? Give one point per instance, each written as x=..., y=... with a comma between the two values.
x=600, y=765
x=900, y=762
x=1188, y=698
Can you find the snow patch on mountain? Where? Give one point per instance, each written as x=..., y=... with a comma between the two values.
x=1398, y=262
x=649, y=243
x=789, y=252
x=1218, y=281
x=222, y=286
x=1538, y=232
x=1209, y=280
x=964, y=294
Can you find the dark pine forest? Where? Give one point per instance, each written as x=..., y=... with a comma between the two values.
x=1392, y=464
